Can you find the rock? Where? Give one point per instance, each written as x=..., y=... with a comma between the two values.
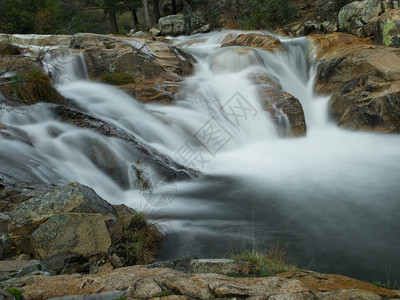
x=145, y=288
x=116, y=261
x=312, y=27
x=154, y=65
x=262, y=41
x=219, y=266
x=164, y=165
x=6, y=296
x=140, y=282
x=98, y=296
x=286, y=110
x=332, y=283
x=181, y=264
x=367, y=103
x=139, y=34
x=388, y=29
x=348, y=295
x=364, y=82
x=354, y=16
x=4, y=219
x=17, y=269
x=172, y=25
x=70, y=198
x=74, y=233
x=204, y=29
x=154, y=32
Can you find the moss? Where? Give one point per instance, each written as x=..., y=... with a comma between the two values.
x=117, y=78
x=386, y=37
x=15, y=292
x=35, y=87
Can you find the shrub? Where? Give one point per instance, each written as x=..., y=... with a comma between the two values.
x=266, y=262
x=117, y=78
x=35, y=87
x=140, y=241
x=15, y=292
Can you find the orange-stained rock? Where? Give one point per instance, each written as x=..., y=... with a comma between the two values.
x=255, y=40
x=325, y=44
x=318, y=282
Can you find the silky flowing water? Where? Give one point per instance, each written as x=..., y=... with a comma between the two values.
x=333, y=196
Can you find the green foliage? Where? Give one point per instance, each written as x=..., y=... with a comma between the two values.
x=266, y=263
x=140, y=241
x=269, y=14
x=15, y=292
x=385, y=285
x=117, y=78
x=35, y=87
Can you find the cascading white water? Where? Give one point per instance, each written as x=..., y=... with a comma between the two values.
x=332, y=195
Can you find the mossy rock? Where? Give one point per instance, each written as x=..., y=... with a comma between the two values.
x=35, y=87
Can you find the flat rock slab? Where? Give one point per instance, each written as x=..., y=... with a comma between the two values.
x=219, y=266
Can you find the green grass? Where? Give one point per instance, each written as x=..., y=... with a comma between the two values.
x=266, y=262
x=140, y=241
x=34, y=87
x=117, y=78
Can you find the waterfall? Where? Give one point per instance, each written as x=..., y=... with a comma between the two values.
x=332, y=195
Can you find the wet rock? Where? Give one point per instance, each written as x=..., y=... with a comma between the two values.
x=73, y=197
x=286, y=110
x=354, y=16
x=388, y=29
x=364, y=82
x=181, y=264
x=264, y=42
x=154, y=65
x=368, y=103
x=16, y=134
x=78, y=234
x=164, y=165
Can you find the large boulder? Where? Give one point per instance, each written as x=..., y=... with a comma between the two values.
x=172, y=25
x=286, y=111
x=354, y=17
x=70, y=198
x=364, y=81
x=388, y=29
x=79, y=234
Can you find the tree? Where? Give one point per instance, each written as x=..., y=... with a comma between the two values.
x=133, y=6
x=173, y=7
x=156, y=9
x=145, y=4
x=111, y=8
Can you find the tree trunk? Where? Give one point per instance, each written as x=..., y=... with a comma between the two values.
x=173, y=7
x=135, y=19
x=146, y=13
x=156, y=11
x=188, y=17
x=113, y=22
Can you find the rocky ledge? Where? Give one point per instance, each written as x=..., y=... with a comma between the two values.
x=142, y=282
